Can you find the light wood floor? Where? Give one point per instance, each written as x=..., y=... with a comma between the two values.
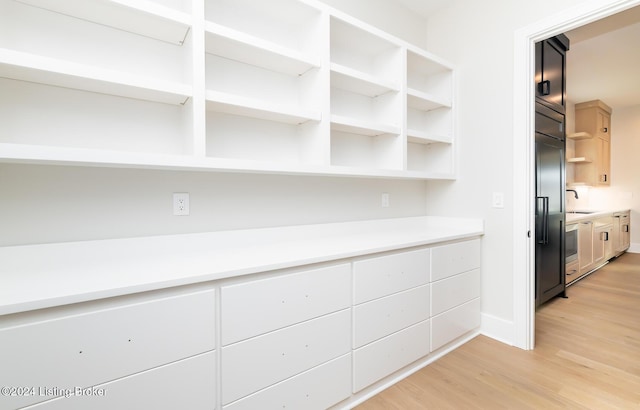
x=587, y=356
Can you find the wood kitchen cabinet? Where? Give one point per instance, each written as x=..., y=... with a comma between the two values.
x=593, y=146
x=621, y=231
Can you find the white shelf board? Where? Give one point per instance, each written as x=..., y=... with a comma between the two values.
x=236, y=45
x=360, y=127
x=580, y=136
x=579, y=160
x=248, y=107
x=44, y=70
x=349, y=79
x=422, y=137
x=49, y=155
x=142, y=17
x=425, y=101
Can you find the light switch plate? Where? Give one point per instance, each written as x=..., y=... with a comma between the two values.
x=498, y=200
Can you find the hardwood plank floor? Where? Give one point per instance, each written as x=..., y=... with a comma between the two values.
x=587, y=356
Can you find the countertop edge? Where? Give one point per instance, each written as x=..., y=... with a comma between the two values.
x=333, y=242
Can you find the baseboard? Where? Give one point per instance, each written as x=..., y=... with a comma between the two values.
x=497, y=328
x=634, y=248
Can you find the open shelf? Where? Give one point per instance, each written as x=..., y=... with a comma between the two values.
x=141, y=17
x=580, y=136
x=348, y=79
x=237, y=105
x=245, y=48
x=580, y=160
x=359, y=127
x=32, y=68
x=365, y=52
x=424, y=101
x=284, y=86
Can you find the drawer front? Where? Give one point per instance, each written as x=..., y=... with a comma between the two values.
x=254, y=364
x=318, y=388
x=385, y=275
x=187, y=384
x=101, y=345
x=454, y=323
x=448, y=260
x=257, y=307
x=383, y=357
x=381, y=317
x=455, y=290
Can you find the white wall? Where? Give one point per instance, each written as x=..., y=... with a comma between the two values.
x=41, y=204
x=388, y=16
x=625, y=146
x=478, y=37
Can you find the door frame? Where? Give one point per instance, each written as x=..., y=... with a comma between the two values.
x=524, y=155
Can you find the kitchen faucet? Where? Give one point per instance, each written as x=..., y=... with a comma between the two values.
x=575, y=193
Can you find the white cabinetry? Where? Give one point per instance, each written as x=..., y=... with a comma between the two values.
x=455, y=291
x=285, y=86
x=297, y=332
x=278, y=328
x=98, y=342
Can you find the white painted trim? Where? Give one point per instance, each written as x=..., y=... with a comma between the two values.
x=496, y=328
x=523, y=127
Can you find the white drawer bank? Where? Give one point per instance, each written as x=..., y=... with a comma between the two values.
x=314, y=316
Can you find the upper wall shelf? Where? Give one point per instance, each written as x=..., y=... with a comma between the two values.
x=37, y=69
x=141, y=17
x=232, y=44
x=285, y=86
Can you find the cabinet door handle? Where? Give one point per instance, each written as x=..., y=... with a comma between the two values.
x=544, y=87
x=605, y=129
x=571, y=272
x=604, y=236
x=625, y=228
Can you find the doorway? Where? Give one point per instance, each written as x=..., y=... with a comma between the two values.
x=524, y=189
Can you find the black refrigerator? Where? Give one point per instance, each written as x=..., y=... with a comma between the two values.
x=550, y=204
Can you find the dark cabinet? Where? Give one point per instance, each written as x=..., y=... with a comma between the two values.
x=550, y=72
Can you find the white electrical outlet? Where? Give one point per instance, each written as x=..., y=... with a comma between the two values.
x=385, y=200
x=181, y=203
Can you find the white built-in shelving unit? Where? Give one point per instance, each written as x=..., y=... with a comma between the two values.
x=284, y=86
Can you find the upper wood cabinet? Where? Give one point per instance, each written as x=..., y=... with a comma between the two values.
x=593, y=123
x=550, y=72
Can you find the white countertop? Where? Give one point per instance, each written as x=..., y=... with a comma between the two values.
x=571, y=217
x=40, y=276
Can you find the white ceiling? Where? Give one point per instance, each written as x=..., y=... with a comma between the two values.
x=424, y=7
x=604, y=61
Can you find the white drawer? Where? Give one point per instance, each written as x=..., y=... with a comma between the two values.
x=94, y=346
x=448, y=260
x=383, y=357
x=256, y=363
x=385, y=275
x=454, y=291
x=318, y=388
x=253, y=308
x=381, y=317
x=187, y=384
x=454, y=323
